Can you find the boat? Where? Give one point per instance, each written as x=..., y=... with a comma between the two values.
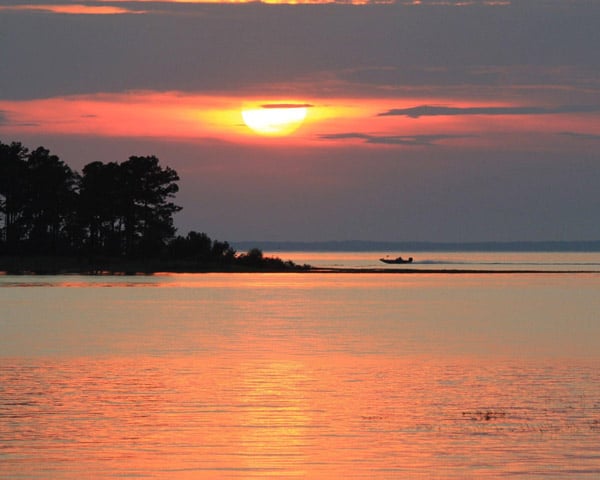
x=396, y=260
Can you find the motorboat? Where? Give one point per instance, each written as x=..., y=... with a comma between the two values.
x=396, y=260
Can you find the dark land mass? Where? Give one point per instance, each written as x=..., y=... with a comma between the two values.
x=117, y=218
x=370, y=246
x=54, y=265
x=58, y=265
x=114, y=217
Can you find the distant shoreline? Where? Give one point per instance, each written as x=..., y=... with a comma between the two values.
x=376, y=246
x=445, y=271
x=66, y=265
x=302, y=270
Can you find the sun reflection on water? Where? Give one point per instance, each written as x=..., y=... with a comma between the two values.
x=319, y=376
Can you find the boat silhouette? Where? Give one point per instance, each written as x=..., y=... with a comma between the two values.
x=396, y=260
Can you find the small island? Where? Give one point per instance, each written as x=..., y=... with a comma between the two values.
x=113, y=218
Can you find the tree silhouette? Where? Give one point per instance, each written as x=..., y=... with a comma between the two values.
x=254, y=257
x=147, y=188
x=126, y=208
x=38, y=195
x=49, y=202
x=100, y=205
x=13, y=170
x=195, y=246
x=199, y=250
x=113, y=212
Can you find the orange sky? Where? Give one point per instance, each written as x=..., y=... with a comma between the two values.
x=72, y=9
x=329, y=121
x=83, y=9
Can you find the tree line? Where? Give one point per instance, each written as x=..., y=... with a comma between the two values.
x=109, y=210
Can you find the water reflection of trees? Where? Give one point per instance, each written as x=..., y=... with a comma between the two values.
x=112, y=210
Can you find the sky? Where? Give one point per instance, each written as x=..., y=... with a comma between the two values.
x=450, y=121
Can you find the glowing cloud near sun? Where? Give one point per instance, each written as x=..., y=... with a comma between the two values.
x=278, y=119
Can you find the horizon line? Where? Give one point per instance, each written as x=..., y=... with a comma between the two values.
x=424, y=245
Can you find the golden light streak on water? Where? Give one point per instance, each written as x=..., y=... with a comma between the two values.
x=300, y=376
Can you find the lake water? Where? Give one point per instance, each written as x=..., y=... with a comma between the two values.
x=301, y=375
x=545, y=261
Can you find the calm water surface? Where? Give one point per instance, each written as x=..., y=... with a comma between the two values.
x=545, y=261
x=300, y=375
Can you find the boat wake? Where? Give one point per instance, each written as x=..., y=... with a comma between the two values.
x=464, y=262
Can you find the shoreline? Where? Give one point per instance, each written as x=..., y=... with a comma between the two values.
x=303, y=270
x=56, y=265
x=447, y=271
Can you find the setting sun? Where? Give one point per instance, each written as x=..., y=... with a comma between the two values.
x=275, y=119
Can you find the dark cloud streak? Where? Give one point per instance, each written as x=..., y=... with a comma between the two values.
x=287, y=105
x=407, y=140
x=581, y=136
x=440, y=110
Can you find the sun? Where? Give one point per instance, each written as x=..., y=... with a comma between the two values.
x=275, y=120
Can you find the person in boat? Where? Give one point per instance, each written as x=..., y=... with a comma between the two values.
x=401, y=260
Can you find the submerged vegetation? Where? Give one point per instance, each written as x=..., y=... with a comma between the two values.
x=111, y=217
